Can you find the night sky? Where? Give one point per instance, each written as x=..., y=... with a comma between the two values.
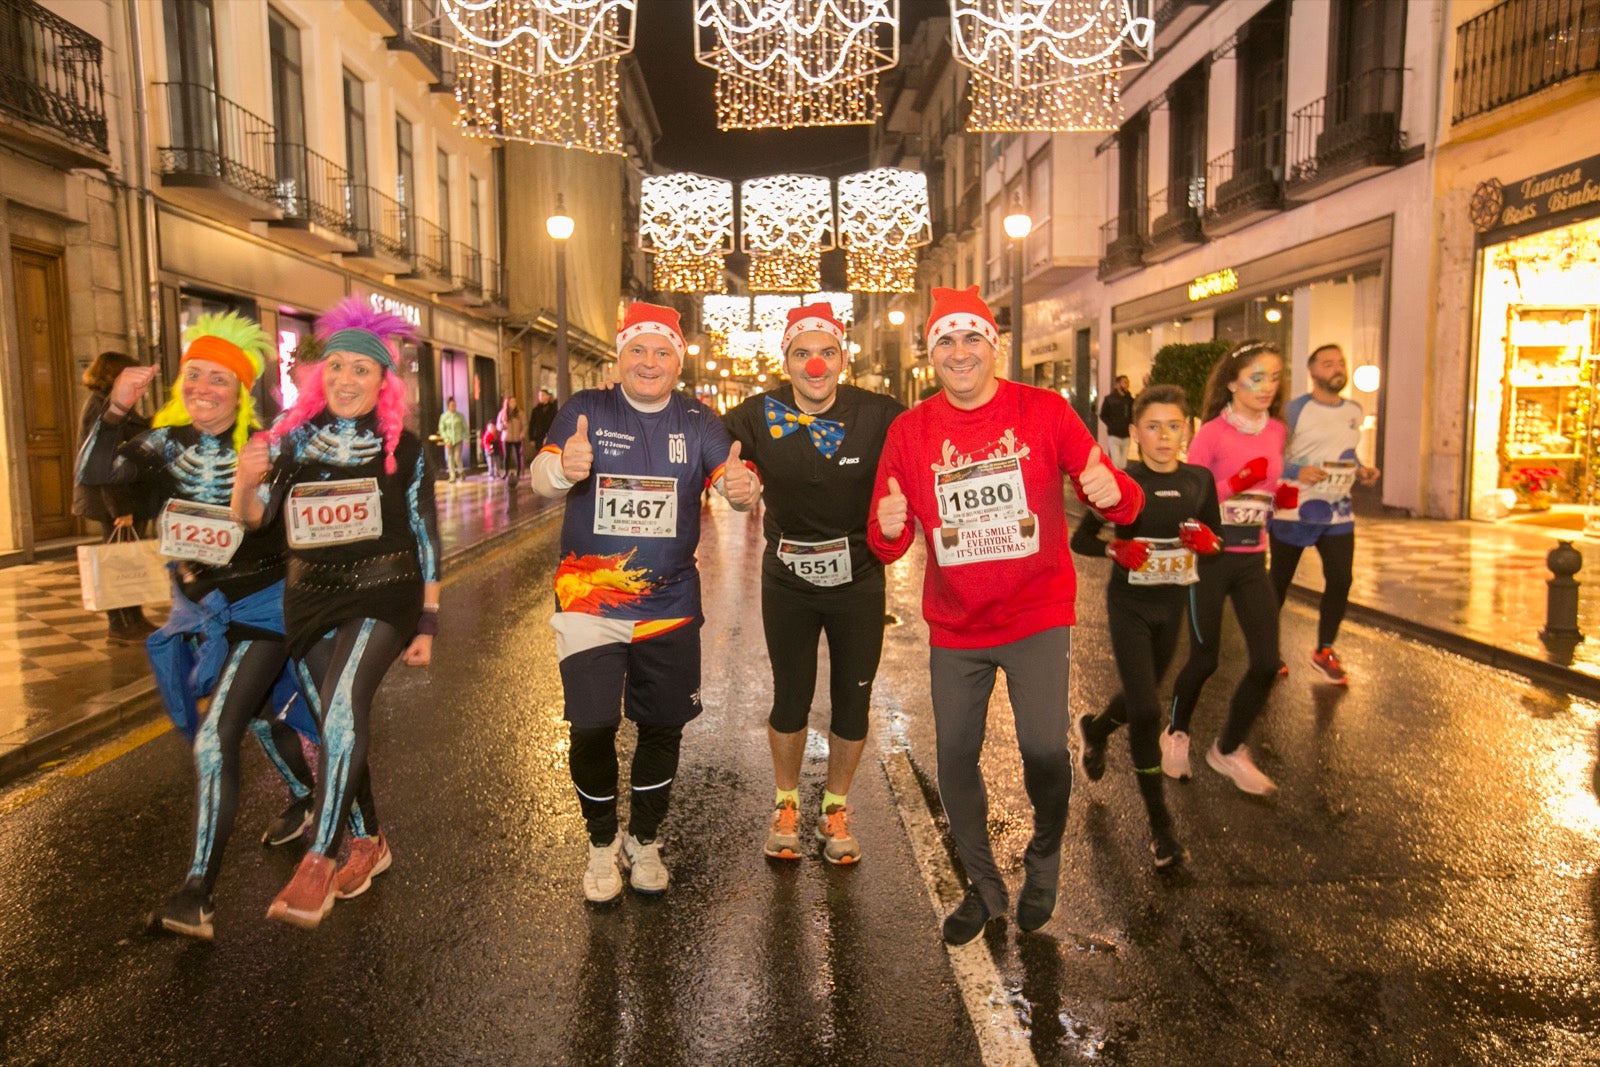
x=684, y=95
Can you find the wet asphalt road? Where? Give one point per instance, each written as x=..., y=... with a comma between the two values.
x=1426, y=889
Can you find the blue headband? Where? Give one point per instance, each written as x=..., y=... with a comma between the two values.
x=362, y=343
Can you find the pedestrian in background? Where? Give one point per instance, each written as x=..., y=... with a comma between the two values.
x=110, y=505
x=1320, y=468
x=1116, y=413
x=539, y=420
x=982, y=466
x=513, y=431
x=452, y=432
x=491, y=449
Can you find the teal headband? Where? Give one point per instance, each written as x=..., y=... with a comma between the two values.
x=362, y=343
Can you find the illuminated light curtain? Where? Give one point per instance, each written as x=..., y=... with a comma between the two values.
x=753, y=351
x=787, y=63
x=1048, y=65
x=770, y=314
x=686, y=223
x=538, y=71
x=883, y=218
x=786, y=223
x=843, y=304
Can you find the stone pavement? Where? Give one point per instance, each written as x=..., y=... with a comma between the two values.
x=67, y=685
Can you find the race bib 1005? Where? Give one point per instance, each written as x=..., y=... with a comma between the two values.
x=627, y=505
x=824, y=563
x=203, y=533
x=334, y=513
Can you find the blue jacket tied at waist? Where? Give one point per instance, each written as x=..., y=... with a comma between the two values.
x=188, y=653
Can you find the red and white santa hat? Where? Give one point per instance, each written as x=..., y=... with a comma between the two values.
x=961, y=309
x=810, y=318
x=642, y=318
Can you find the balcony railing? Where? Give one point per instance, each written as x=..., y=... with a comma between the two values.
x=311, y=187
x=1355, y=126
x=50, y=74
x=469, y=269
x=430, y=52
x=1174, y=215
x=1122, y=243
x=1246, y=178
x=496, y=284
x=1518, y=47
x=430, y=249
x=214, y=138
x=380, y=225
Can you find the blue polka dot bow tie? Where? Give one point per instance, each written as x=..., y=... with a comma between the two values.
x=783, y=420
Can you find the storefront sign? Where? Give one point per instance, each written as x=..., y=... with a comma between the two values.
x=1214, y=284
x=1545, y=200
x=410, y=312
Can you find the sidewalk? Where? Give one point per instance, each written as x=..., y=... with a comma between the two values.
x=68, y=685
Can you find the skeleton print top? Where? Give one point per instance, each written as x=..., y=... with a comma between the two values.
x=182, y=463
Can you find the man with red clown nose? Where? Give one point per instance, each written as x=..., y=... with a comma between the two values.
x=982, y=466
x=632, y=463
x=815, y=444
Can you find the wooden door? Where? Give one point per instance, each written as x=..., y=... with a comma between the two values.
x=41, y=316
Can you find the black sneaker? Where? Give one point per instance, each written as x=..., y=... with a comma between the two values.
x=290, y=823
x=968, y=920
x=1035, y=906
x=1091, y=753
x=1168, y=852
x=189, y=912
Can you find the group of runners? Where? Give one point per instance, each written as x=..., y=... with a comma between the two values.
x=307, y=563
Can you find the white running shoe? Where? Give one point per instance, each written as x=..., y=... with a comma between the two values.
x=647, y=874
x=1238, y=766
x=1175, y=754
x=602, y=878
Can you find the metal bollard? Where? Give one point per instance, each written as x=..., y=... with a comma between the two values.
x=1561, y=605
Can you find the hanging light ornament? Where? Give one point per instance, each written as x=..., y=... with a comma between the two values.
x=686, y=222
x=770, y=314
x=786, y=223
x=752, y=351
x=883, y=219
x=843, y=304
x=1048, y=65
x=787, y=63
x=537, y=71
x=724, y=315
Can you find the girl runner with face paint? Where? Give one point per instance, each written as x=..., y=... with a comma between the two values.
x=1241, y=443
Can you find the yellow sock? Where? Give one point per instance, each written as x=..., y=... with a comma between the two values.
x=831, y=799
x=787, y=796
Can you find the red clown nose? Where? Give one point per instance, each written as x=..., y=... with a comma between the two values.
x=816, y=366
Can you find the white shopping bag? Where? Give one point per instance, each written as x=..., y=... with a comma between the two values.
x=123, y=573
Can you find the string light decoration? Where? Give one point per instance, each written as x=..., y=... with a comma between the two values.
x=787, y=63
x=770, y=313
x=1049, y=65
x=754, y=351
x=883, y=217
x=724, y=315
x=843, y=305
x=538, y=71
x=686, y=222
x=786, y=223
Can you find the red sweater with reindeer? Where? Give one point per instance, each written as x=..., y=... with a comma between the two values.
x=986, y=486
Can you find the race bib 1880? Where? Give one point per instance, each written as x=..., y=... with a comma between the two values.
x=982, y=493
x=824, y=563
x=204, y=533
x=627, y=505
x=334, y=513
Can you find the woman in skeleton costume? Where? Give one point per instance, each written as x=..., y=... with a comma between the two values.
x=225, y=636
x=356, y=498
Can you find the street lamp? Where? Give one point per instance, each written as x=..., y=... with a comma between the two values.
x=897, y=317
x=1017, y=224
x=560, y=226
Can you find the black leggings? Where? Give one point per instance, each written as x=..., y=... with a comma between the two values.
x=1338, y=554
x=342, y=672
x=1242, y=578
x=243, y=692
x=1144, y=637
x=853, y=621
x=592, y=758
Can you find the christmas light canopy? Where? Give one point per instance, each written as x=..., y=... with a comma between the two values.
x=725, y=314
x=843, y=304
x=883, y=216
x=786, y=223
x=686, y=213
x=547, y=35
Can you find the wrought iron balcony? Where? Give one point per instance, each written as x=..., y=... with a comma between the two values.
x=1348, y=135
x=468, y=277
x=1244, y=184
x=219, y=149
x=1122, y=244
x=50, y=84
x=1175, y=219
x=1174, y=18
x=381, y=227
x=313, y=195
x=1519, y=47
x=430, y=258
x=496, y=286
x=429, y=55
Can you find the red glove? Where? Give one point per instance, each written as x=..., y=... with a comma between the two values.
x=1199, y=538
x=1287, y=497
x=1249, y=475
x=1130, y=554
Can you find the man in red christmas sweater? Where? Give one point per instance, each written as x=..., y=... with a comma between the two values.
x=982, y=466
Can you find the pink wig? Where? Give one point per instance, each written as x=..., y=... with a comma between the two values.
x=353, y=313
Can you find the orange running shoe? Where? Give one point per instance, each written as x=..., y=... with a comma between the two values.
x=783, y=840
x=308, y=897
x=839, y=846
x=368, y=857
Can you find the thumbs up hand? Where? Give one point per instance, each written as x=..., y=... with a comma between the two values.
x=577, y=457
x=893, y=511
x=1099, y=485
x=738, y=484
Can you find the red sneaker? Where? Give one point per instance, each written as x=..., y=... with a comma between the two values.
x=308, y=897
x=1325, y=661
x=368, y=857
